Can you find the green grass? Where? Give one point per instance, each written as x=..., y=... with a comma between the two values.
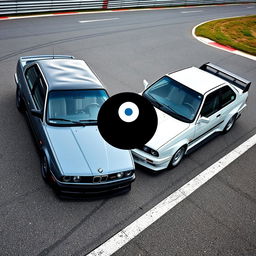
x=238, y=33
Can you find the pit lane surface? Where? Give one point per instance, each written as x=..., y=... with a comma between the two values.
x=123, y=49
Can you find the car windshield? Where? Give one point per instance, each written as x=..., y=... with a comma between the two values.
x=74, y=107
x=174, y=98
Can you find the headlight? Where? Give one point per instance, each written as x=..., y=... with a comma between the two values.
x=150, y=151
x=66, y=178
x=76, y=178
x=120, y=175
x=146, y=149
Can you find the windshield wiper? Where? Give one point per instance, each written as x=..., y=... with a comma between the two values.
x=167, y=106
x=66, y=120
x=174, y=112
x=154, y=100
x=88, y=120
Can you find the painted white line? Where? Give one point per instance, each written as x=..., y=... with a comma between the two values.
x=250, y=7
x=147, y=219
x=88, y=21
x=190, y=11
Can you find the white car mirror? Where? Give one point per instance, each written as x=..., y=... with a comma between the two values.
x=203, y=120
x=145, y=83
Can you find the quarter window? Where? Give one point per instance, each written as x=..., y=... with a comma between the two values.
x=227, y=96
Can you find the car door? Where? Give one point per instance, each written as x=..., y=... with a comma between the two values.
x=212, y=110
x=36, y=99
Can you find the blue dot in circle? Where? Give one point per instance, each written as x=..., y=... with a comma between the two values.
x=128, y=111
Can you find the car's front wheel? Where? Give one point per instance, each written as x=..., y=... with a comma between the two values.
x=177, y=157
x=19, y=101
x=44, y=168
x=230, y=124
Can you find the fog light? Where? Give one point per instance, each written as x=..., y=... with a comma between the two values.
x=154, y=152
x=120, y=175
x=76, y=178
x=128, y=173
x=66, y=178
x=146, y=149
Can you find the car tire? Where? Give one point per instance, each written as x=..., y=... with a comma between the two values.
x=44, y=167
x=230, y=124
x=177, y=157
x=19, y=101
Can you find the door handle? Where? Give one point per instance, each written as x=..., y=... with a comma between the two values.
x=218, y=115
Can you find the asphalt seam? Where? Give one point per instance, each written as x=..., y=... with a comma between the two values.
x=51, y=248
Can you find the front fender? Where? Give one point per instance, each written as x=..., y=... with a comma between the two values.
x=169, y=150
x=45, y=152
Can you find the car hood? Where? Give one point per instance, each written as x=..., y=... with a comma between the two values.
x=167, y=128
x=81, y=150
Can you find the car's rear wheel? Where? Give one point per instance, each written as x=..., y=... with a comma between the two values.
x=19, y=101
x=45, y=168
x=177, y=157
x=230, y=124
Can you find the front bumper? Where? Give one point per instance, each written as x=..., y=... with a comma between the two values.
x=93, y=189
x=154, y=163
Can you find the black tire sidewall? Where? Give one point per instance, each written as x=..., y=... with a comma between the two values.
x=171, y=162
x=234, y=120
x=19, y=103
x=44, y=175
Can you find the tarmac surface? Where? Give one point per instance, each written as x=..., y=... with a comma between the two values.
x=217, y=219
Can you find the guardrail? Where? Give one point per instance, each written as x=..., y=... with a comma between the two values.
x=28, y=6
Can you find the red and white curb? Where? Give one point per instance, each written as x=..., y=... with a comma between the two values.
x=220, y=46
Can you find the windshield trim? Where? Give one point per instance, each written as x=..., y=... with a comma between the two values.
x=161, y=107
x=90, y=123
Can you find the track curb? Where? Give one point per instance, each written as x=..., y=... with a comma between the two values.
x=214, y=44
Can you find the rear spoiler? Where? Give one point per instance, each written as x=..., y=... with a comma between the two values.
x=28, y=59
x=230, y=77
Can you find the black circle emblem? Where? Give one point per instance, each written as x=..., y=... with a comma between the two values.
x=127, y=120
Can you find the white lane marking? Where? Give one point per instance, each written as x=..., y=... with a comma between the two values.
x=190, y=11
x=88, y=21
x=147, y=219
x=250, y=7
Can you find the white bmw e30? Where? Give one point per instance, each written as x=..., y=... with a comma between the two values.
x=191, y=104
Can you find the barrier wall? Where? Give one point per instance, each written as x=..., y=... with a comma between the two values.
x=25, y=6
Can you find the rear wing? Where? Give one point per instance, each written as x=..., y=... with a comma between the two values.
x=228, y=76
x=28, y=59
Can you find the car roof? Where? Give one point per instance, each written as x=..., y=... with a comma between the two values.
x=197, y=79
x=68, y=74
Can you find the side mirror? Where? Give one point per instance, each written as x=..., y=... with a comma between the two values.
x=37, y=113
x=203, y=120
x=145, y=83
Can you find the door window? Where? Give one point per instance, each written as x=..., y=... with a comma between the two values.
x=211, y=104
x=37, y=86
x=31, y=77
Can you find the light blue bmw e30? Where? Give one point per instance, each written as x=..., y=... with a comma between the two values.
x=61, y=97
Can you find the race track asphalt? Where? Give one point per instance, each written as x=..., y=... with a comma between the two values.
x=138, y=45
